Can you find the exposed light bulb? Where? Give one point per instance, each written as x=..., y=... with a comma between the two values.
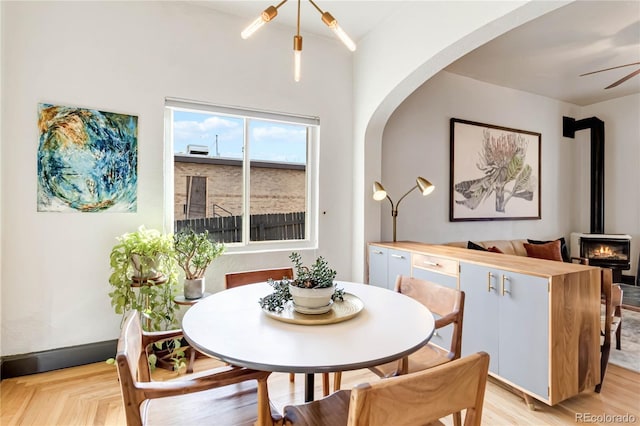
x=337, y=29
x=332, y=23
x=252, y=28
x=297, y=57
x=267, y=15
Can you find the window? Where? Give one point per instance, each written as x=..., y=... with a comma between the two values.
x=248, y=177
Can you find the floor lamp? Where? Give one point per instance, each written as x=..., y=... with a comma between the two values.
x=379, y=194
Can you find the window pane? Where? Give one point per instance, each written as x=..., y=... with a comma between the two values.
x=266, y=204
x=278, y=177
x=208, y=173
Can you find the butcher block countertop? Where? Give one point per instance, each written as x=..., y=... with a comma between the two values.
x=520, y=264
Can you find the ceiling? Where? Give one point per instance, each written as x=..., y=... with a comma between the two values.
x=545, y=56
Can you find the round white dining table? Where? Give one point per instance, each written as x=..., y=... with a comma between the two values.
x=231, y=325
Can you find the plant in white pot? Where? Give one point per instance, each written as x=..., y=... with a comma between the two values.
x=194, y=252
x=144, y=277
x=312, y=291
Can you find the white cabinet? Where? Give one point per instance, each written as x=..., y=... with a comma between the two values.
x=378, y=266
x=507, y=315
x=543, y=332
x=441, y=271
x=385, y=264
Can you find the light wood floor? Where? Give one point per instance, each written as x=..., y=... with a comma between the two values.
x=90, y=395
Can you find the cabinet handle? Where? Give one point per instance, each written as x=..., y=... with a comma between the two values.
x=436, y=334
x=504, y=290
x=427, y=262
x=489, y=286
x=397, y=256
x=376, y=252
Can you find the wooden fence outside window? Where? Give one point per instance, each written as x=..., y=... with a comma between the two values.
x=264, y=227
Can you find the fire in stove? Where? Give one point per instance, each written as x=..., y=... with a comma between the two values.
x=604, y=250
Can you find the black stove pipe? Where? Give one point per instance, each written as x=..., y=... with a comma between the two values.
x=569, y=128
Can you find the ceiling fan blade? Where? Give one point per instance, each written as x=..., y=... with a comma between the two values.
x=623, y=79
x=608, y=69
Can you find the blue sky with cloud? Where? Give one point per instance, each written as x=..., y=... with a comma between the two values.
x=269, y=141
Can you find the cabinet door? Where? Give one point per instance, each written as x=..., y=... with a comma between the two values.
x=524, y=331
x=399, y=264
x=481, y=315
x=378, y=270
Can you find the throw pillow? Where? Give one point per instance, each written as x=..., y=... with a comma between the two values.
x=494, y=249
x=563, y=247
x=550, y=251
x=473, y=246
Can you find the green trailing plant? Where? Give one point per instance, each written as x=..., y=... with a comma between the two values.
x=146, y=257
x=194, y=252
x=319, y=275
x=173, y=353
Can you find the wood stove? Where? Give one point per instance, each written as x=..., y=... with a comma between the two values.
x=604, y=250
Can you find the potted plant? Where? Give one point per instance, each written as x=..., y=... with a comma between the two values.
x=312, y=290
x=144, y=277
x=194, y=252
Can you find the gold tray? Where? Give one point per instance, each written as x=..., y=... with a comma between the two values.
x=340, y=311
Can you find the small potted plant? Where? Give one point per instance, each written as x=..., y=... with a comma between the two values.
x=312, y=290
x=143, y=260
x=194, y=252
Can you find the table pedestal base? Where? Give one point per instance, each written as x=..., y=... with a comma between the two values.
x=308, y=387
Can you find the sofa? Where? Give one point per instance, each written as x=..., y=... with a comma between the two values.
x=521, y=247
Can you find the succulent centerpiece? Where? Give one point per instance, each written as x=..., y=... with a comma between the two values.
x=312, y=290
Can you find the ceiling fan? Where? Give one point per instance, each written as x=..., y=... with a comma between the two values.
x=623, y=79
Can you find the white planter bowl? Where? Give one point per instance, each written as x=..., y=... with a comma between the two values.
x=311, y=300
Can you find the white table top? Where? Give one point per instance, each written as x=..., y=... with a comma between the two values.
x=230, y=325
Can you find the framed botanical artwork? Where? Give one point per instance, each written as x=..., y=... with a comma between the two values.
x=495, y=172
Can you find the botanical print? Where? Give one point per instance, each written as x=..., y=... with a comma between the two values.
x=87, y=160
x=495, y=172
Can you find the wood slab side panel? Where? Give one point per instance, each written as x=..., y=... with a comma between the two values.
x=575, y=334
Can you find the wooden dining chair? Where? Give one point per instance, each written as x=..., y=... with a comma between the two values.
x=616, y=320
x=413, y=399
x=445, y=302
x=226, y=395
x=611, y=319
x=235, y=279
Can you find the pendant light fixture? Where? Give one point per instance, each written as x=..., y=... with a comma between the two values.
x=272, y=11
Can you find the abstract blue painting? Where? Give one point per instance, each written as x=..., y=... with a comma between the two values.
x=87, y=160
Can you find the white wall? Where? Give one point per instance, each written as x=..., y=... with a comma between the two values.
x=621, y=169
x=411, y=46
x=416, y=143
x=127, y=57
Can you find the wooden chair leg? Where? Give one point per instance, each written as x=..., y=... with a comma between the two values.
x=292, y=377
x=604, y=362
x=325, y=384
x=337, y=380
x=619, y=335
x=457, y=419
x=192, y=360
